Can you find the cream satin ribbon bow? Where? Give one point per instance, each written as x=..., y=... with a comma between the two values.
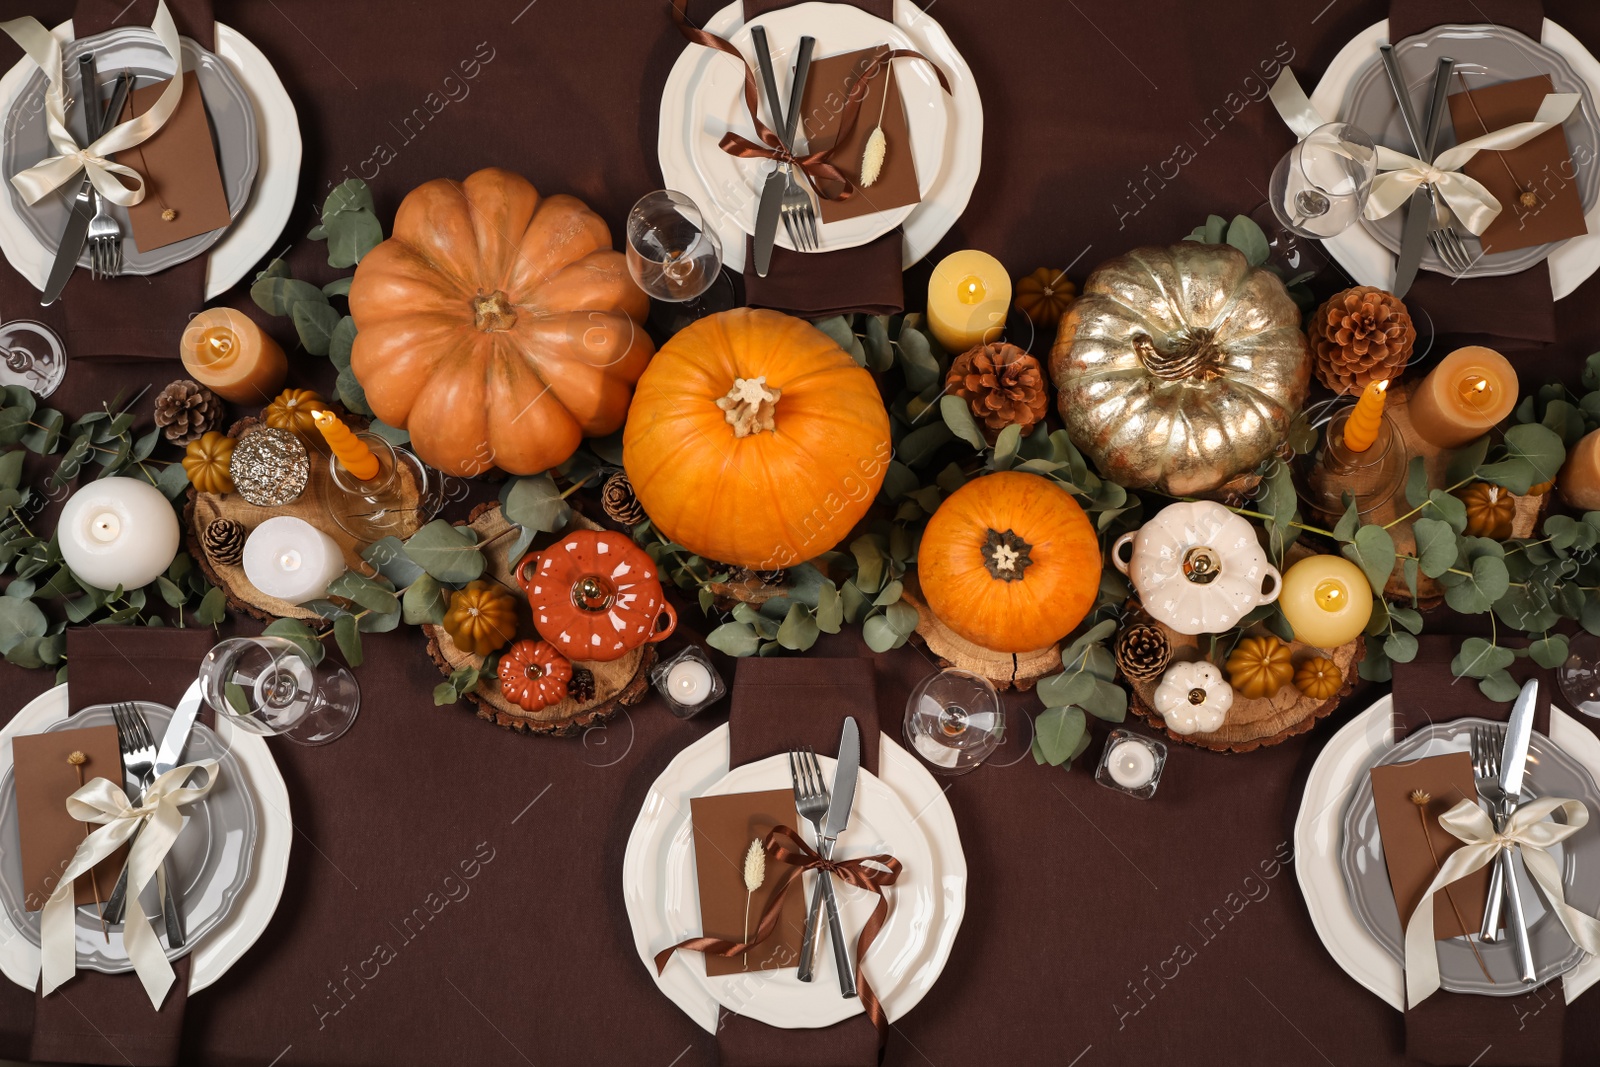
x=1525, y=829
x=1475, y=206
x=51, y=173
x=101, y=801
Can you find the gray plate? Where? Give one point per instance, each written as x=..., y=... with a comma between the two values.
x=134, y=48
x=1487, y=55
x=211, y=859
x=1551, y=772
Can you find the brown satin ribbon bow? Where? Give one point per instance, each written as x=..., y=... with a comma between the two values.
x=785, y=846
x=814, y=165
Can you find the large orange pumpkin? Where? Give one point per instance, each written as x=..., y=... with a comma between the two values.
x=1010, y=562
x=753, y=439
x=498, y=327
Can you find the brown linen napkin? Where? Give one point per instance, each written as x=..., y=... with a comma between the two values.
x=1459, y=1028
x=1490, y=311
x=866, y=278
x=779, y=704
x=105, y=1018
x=131, y=317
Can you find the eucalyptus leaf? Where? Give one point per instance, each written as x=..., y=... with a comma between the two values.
x=1436, y=546
x=20, y=619
x=1005, y=447
x=1452, y=509
x=1500, y=687
x=315, y=324
x=1477, y=658
x=213, y=608
x=279, y=295
x=1246, y=235
x=1400, y=647
x=799, y=629
x=1373, y=551
x=1058, y=731
x=446, y=553
x=341, y=342
x=879, y=635
x=829, y=613
x=869, y=564
x=346, y=633
x=351, y=236
x=1464, y=464
x=958, y=417
x=1066, y=689
x=352, y=194
x=372, y=594
x=1417, y=481
x=734, y=639
x=1110, y=702
x=1549, y=651
x=1534, y=454
x=1477, y=593
x=300, y=635
x=917, y=361
x=388, y=555
x=536, y=504
x=424, y=601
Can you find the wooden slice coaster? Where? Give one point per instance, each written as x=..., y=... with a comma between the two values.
x=204, y=508
x=1251, y=723
x=617, y=683
x=1006, y=670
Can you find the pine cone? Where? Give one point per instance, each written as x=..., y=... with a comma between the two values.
x=617, y=498
x=580, y=686
x=1002, y=384
x=1142, y=651
x=224, y=541
x=1360, y=335
x=185, y=410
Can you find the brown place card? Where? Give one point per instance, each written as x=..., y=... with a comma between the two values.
x=179, y=165
x=828, y=88
x=1543, y=165
x=50, y=836
x=724, y=826
x=1447, y=780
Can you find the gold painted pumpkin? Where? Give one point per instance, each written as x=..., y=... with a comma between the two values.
x=293, y=410
x=1491, y=510
x=754, y=440
x=1319, y=678
x=1010, y=562
x=481, y=618
x=1180, y=368
x=206, y=462
x=1260, y=666
x=497, y=326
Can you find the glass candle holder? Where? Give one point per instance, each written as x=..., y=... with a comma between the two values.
x=688, y=682
x=1131, y=763
x=1372, y=476
x=398, y=500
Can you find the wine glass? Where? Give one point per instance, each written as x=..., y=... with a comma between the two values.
x=672, y=253
x=1320, y=187
x=267, y=685
x=1579, y=675
x=954, y=720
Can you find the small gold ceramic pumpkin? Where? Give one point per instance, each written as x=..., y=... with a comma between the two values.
x=482, y=617
x=1180, y=368
x=1491, y=510
x=1260, y=666
x=1319, y=678
x=1044, y=295
x=206, y=462
x=293, y=410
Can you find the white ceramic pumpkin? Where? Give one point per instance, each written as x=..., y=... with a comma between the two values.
x=1193, y=698
x=1197, y=567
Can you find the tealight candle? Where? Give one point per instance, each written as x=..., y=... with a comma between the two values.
x=1464, y=397
x=1131, y=765
x=1327, y=600
x=968, y=296
x=290, y=559
x=1362, y=427
x=1579, y=479
x=118, y=531
x=689, y=682
x=225, y=351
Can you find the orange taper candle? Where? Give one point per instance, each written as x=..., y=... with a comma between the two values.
x=348, y=449
x=1361, y=428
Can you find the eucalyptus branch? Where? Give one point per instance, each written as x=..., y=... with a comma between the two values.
x=1425, y=503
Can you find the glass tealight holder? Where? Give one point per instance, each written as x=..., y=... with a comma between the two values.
x=397, y=501
x=1131, y=763
x=1372, y=477
x=688, y=682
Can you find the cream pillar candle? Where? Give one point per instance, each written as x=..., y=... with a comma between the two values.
x=1327, y=600
x=292, y=560
x=968, y=297
x=118, y=531
x=1465, y=396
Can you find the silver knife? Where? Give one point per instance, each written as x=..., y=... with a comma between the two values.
x=1513, y=762
x=772, y=191
x=77, y=227
x=168, y=756
x=1419, y=214
x=1521, y=723
x=841, y=800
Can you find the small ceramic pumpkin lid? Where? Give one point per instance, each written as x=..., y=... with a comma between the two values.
x=1197, y=567
x=595, y=596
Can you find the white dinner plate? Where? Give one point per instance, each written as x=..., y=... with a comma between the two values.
x=905, y=809
x=730, y=209
x=1368, y=261
x=253, y=908
x=1318, y=838
x=255, y=230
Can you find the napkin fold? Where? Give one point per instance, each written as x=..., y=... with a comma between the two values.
x=1516, y=310
x=778, y=705
x=107, y=1018
x=1450, y=1029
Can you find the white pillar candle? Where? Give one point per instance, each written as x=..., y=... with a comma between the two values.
x=689, y=682
x=1131, y=765
x=118, y=531
x=291, y=559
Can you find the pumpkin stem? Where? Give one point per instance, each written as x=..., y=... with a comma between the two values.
x=1006, y=556
x=493, y=312
x=750, y=406
x=1195, y=355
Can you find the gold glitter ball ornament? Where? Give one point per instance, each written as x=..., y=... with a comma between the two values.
x=270, y=467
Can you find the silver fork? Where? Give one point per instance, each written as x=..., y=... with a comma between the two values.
x=811, y=801
x=1487, y=744
x=798, y=214
x=1444, y=239
x=105, y=235
x=139, y=766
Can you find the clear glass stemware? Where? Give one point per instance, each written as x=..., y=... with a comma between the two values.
x=1320, y=186
x=268, y=686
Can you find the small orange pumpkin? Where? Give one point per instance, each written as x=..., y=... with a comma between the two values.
x=481, y=618
x=1491, y=510
x=293, y=410
x=1319, y=678
x=206, y=462
x=534, y=675
x=1010, y=562
x=1045, y=295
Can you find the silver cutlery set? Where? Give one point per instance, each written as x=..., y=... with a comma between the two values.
x=828, y=816
x=91, y=221
x=1499, y=763
x=783, y=195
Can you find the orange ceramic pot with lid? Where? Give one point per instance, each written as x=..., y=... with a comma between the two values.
x=595, y=596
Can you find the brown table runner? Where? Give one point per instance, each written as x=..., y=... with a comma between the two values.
x=107, y=1018
x=778, y=705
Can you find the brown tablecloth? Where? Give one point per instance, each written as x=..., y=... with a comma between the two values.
x=1099, y=929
